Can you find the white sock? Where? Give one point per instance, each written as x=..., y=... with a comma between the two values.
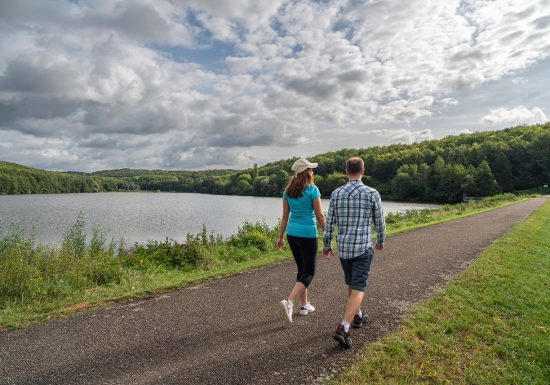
x=346, y=326
x=360, y=313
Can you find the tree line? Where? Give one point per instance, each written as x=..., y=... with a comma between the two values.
x=18, y=179
x=443, y=170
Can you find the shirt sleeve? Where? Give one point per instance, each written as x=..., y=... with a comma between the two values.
x=330, y=223
x=315, y=193
x=378, y=216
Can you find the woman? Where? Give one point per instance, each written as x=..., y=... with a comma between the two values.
x=302, y=202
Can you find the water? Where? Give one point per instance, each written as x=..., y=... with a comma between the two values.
x=140, y=217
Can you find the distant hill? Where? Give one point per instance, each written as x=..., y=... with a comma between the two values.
x=132, y=173
x=18, y=179
x=479, y=164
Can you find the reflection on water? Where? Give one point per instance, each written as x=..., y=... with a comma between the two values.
x=139, y=217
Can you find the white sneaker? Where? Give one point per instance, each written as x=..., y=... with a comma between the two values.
x=288, y=308
x=307, y=308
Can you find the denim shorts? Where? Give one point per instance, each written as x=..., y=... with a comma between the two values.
x=356, y=270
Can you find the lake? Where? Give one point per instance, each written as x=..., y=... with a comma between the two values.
x=139, y=216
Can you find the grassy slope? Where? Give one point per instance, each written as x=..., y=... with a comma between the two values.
x=491, y=326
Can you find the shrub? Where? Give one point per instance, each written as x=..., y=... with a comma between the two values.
x=170, y=253
x=257, y=235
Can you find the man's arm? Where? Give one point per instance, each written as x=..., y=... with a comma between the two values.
x=330, y=224
x=379, y=222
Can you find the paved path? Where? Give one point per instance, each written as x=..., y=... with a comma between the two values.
x=232, y=331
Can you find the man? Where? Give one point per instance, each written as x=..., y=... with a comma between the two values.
x=355, y=209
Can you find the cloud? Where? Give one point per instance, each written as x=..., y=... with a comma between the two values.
x=409, y=137
x=519, y=80
x=515, y=115
x=448, y=102
x=105, y=77
x=403, y=136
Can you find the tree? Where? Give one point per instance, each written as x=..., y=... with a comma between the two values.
x=333, y=181
x=502, y=170
x=451, y=184
x=486, y=183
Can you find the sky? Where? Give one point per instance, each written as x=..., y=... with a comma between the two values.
x=89, y=85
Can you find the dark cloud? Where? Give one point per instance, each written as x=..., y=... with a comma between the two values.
x=525, y=14
x=26, y=75
x=313, y=87
x=14, y=113
x=355, y=76
x=542, y=22
x=511, y=37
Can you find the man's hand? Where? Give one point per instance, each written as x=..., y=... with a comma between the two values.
x=327, y=254
x=379, y=246
x=280, y=243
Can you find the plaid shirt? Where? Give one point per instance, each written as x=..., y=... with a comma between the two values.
x=353, y=208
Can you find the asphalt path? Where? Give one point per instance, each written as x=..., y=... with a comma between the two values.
x=232, y=330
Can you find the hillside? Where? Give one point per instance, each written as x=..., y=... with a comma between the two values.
x=442, y=170
x=18, y=179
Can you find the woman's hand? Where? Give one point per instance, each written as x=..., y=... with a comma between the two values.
x=280, y=243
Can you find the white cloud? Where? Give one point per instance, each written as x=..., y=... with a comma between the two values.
x=515, y=115
x=448, y=102
x=409, y=137
x=519, y=80
x=404, y=136
x=102, y=72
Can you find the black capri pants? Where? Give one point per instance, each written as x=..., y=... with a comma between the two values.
x=304, y=251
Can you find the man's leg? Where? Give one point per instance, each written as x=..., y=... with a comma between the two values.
x=356, y=274
x=353, y=305
x=343, y=333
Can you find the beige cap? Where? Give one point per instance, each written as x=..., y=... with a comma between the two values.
x=302, y=164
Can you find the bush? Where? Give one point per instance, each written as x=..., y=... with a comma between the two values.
x=171, y=254
x=257, y=235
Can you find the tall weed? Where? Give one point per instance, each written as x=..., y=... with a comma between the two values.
x=29, y=272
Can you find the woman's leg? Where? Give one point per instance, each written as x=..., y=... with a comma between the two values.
x=299, y=287
x=309, y=253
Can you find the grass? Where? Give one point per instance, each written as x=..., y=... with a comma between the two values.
x=490, y=326
x=413, y=219
x=38, y=282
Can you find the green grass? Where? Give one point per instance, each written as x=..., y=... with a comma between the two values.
x=413, y=219
x=490, y=326
x=38, y=282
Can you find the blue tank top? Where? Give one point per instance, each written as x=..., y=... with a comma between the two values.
x=302, y=221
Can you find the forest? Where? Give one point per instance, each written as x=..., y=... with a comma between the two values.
x=444, y=170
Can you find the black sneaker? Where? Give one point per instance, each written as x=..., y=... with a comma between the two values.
x=343, y=338
x=359, y=321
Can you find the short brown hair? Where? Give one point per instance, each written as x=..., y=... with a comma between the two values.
x=355, y=166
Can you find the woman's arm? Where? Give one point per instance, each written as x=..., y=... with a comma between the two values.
x=284, y=221
x=319, y=213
